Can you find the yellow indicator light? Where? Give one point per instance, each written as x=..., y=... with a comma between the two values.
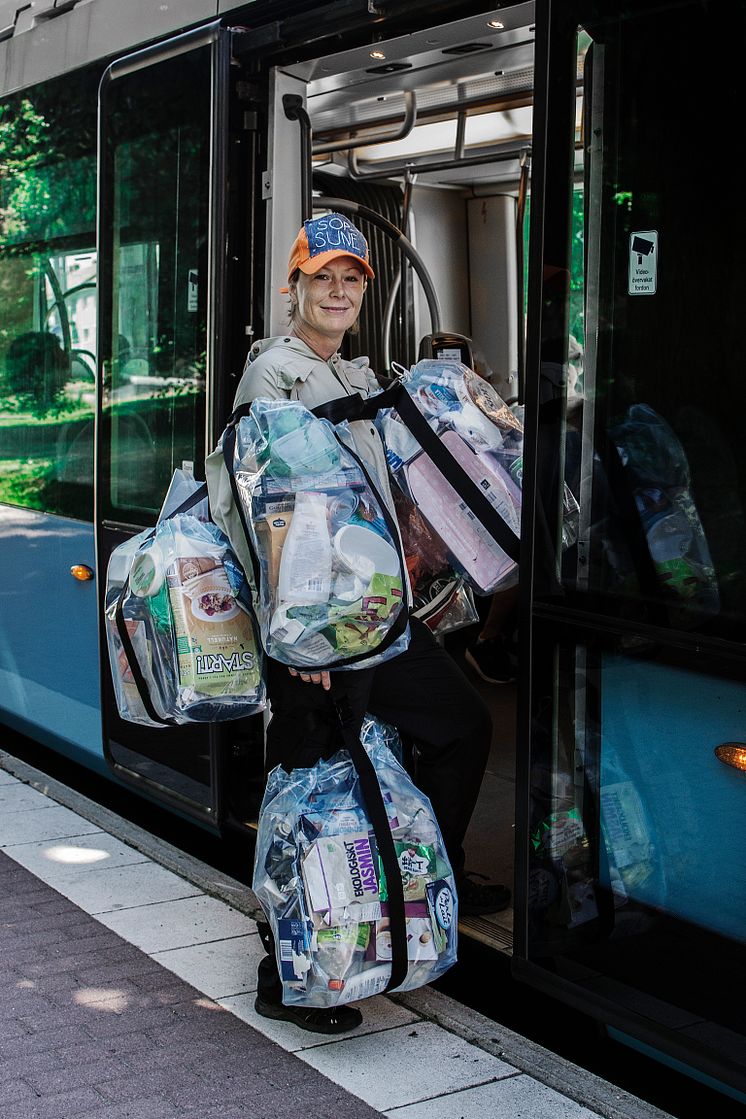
x=81, y=571
x=732, y=753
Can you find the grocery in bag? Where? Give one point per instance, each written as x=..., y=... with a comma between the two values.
x=318, y=874
x=440, y=597
x=183, y=644
x=332, y=589
x=479, y=431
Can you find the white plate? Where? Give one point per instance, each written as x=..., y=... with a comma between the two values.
x=219, y=616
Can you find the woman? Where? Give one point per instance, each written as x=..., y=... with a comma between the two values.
x=420, y=691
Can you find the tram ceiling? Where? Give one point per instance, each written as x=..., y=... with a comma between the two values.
x=357, y=100
x=449, y=101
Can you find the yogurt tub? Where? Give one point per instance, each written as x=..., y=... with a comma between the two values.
x=146, y=573
x=357, y=548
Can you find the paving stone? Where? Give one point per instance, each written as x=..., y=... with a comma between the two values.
x=16, y=1090
x=40, y=1040
x=62, y=1105
x=65, y=1077
x=144, y=1107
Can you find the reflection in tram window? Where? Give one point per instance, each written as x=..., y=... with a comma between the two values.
x=48, y=297
x=155, y=345
x=652, y=448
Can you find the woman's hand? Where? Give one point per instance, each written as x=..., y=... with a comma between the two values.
x=322, y=678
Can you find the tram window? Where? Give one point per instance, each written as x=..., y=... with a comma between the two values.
x=48, y=296
x=155, y=349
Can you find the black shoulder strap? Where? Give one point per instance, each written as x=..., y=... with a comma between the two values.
x=189, y=502
x=355, y=407
x=374, y=803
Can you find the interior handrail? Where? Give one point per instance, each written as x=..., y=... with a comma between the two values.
x=408, y=123
x=450, y=164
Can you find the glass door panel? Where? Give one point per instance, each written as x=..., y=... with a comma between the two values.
x=156, y=232
x=154, y=380
x=635, y=884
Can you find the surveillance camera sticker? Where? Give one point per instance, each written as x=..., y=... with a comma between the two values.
x=643, y=263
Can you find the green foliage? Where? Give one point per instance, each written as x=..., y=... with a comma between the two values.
x=44, y=194
x=23, y=482
x=577, y=267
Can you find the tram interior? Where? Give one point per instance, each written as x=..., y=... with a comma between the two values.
x=433, y=131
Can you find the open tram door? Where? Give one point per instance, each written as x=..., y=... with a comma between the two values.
x=435, y=140
x=166, y=147
x=632, y=710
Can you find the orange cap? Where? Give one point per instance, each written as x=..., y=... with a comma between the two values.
x=324, y=239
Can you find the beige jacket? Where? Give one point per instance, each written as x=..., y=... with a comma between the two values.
x=287, y=367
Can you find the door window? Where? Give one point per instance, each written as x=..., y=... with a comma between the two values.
x=638, y=608
x=653, y=447
x=157, y=154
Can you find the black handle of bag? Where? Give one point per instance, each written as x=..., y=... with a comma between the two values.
x=400, y=624
x=129, y=650
x=357, y=407
x=376, y=808
x=189, y=502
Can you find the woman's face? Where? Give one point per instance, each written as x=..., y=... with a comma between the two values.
x=329, y=301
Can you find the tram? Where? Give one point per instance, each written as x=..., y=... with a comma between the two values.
x=529, y=177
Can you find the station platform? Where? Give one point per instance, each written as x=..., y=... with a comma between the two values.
x=127, y=978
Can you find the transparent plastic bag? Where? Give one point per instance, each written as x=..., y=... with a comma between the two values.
x=570, y=507
x=318, y=878
x=459, y=612
x=440, y=598
x=374, y=732
x=332, y=586
x=484, y=437
x=661, y=483
x=184, y=602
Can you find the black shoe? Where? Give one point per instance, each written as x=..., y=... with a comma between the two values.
x=475, y=899
x=335, y=1020
x=491, y=661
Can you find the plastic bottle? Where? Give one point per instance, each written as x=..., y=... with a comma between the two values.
x=306, y=563
x=670, y=537
x=371, y=981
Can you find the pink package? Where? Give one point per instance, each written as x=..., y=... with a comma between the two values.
x=482, y=560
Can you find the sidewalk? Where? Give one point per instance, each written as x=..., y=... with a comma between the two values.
x=127, y=972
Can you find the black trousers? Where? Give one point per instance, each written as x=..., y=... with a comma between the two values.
x=421, y=692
